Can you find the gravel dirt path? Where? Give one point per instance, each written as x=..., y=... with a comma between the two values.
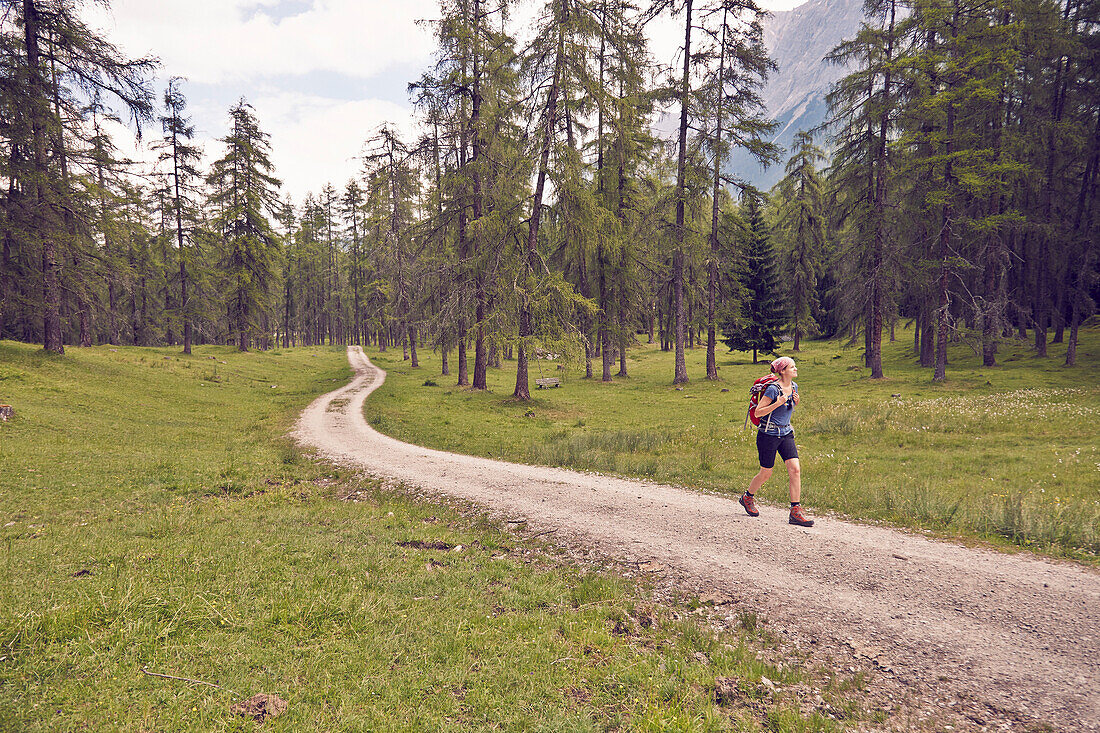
x=961, y=637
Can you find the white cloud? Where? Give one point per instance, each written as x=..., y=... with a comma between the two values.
x=218, y=41
x=257, y=48
x=316, y=141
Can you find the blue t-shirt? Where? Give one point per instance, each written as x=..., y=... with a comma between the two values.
x=778, y=422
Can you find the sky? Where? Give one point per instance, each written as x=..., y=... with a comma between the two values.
x=322, y=75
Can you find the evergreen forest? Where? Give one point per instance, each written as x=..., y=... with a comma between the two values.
x=540, y=212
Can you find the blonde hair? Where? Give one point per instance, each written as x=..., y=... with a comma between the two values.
x=782, y=363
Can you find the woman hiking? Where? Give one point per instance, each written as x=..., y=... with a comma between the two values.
x=776, y=434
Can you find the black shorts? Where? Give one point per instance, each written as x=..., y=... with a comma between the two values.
x=767, y=445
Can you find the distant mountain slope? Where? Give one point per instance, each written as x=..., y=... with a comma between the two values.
x=795, y=95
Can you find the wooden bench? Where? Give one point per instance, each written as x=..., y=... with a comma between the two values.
x=548, y=382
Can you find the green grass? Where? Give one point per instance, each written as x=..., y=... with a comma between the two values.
x=152, y=515
x=1007, y=454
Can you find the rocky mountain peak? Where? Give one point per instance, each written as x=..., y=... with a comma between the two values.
x=798, y=41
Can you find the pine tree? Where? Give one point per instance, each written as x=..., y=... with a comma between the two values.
x=351, y=206
x=735, y=120
x=960, y=162
x=684, y=95
x=475, y=82
x=243, y=193
x=182, y=160
x=757, y=326
x=57, y=50
x=389, y=163
x=801, y=226
x=863, y=107
x=108, y=196
x=559, y=52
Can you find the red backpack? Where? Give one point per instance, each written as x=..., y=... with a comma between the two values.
x=755, y=391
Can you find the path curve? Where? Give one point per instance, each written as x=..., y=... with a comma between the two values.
x=1011, y=639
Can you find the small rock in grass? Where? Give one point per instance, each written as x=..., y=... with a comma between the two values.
x=260, y=707
x=726, y=691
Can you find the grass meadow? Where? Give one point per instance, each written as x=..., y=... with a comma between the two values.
x=1007, y=455
x=153, y=516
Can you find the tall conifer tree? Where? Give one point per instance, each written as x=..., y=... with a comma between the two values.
x=181, y=159
x=801, y=226
x=244, y=192
x=757, y=327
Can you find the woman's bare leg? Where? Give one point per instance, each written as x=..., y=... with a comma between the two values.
x=794, y=473
x=759, y=479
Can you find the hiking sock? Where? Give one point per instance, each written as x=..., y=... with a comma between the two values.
x=795, y=503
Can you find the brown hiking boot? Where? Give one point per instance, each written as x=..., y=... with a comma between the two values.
x=749, y=503
x=797, y=517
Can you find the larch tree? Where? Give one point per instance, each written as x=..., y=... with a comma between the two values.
x=863, y=107
x=181, y=158
x=801, y=224
x=733, y=49
x=389, y=165
x=557, y=60
x=244, y=192
x=962, y=167
x=351, y=210
x=54, y=49
x=684, y=97
x=626, y=147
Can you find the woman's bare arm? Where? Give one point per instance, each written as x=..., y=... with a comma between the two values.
x=766, y=406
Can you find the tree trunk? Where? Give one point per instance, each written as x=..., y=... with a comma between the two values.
x=878, y=250
x=43, y=211
x=7, y=277
x=1082, y=229
x=460, y=325
x=680, y=376
x=531, y=265
x=605, y=316
x=480, y=309
x=943, y=311
x=624, y=333
x=712, y=264
x=480, y=355
x=522, y=391
x=586, y=323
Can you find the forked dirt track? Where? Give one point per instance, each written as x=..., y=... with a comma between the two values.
x=984, y=639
